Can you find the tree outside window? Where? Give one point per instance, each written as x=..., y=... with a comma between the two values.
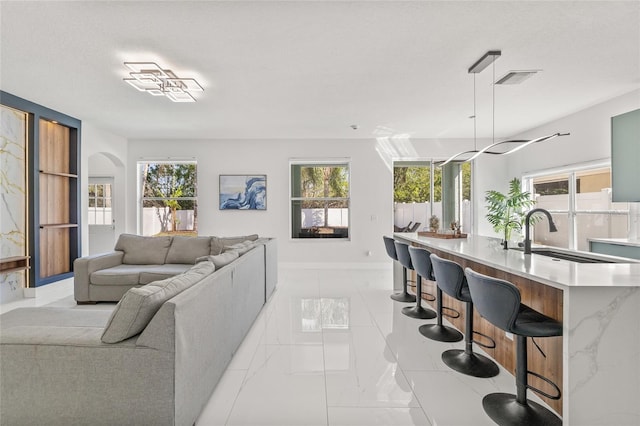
x=320, y=200
x=169, y=198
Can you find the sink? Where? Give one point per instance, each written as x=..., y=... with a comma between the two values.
x=577, y=256
x=573, y=257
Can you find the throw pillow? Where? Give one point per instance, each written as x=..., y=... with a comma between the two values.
x=139, y=250
x=220, y=260
x=218, y=244
x=139, y=304
x=187, y=249
x=241, y=248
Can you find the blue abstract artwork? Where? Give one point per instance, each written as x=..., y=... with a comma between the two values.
x=243, y=192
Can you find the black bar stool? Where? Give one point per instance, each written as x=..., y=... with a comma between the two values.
x=499, y=302
x=439, y=331
x=403, y=296
x=422, y=264
x=450, y=277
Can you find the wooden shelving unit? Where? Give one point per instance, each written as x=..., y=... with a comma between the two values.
x=14, y=264
x=58, y=179
x=53, y=192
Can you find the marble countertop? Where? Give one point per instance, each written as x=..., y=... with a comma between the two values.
x=619, y=241
x=556, y=273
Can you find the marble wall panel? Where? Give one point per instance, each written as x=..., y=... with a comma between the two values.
x=13, y=198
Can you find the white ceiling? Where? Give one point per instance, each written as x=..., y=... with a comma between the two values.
x=304, y=69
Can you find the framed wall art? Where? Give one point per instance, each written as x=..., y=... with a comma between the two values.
x=243, y=192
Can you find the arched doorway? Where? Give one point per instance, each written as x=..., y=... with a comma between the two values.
x=105, y=201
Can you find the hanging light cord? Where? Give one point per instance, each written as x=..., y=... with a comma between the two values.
x=493, y=111
x=475, y=143
x=467, y=156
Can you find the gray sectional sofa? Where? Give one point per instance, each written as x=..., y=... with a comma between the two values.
x=152, y=360
x=138, y=260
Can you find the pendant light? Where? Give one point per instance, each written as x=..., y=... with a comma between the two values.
x=487, y=59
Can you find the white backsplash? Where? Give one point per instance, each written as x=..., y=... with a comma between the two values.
x=634, y=221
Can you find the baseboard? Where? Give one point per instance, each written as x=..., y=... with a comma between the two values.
x=333, y=265
x=29, y=292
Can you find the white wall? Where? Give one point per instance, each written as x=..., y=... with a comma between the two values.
x=590, y=137
x=371, y=189
x=371, y=184
x=590, y=140
x=108, y=152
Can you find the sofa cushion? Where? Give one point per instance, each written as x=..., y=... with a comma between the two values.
x=139, y=250
x=140, y=304
x=222, y=259
x=218, y=244
x=241, y=248
x=118, y=275
x=187, y=249
x=161, y=272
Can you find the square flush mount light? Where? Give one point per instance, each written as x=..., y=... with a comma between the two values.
x=149, y=77
x=516, y=77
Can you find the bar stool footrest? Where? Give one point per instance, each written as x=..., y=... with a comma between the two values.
x=455, y=314
x=504, y=409
x=541, y=392
x=491, y=345
x=429, y=297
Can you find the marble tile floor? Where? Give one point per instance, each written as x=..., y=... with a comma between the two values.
x=331, y=348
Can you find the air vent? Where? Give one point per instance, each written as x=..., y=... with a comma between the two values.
x=516, y=77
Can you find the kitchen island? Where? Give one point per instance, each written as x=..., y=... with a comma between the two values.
x=597, y=360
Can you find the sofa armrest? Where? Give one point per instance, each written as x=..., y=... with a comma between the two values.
x=76, y=379
x=83, y=267
x=55, y=336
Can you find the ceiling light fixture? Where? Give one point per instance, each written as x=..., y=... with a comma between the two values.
x=516, y=77
x=486, y=60
x=149, y=77
x=513, y=77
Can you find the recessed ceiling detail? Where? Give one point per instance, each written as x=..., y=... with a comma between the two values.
x=149, y=77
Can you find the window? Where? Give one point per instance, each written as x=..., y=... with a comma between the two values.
x=416, y=199
x=100, y=199
x=320, y=199
x=579, y=200
x=168, y=198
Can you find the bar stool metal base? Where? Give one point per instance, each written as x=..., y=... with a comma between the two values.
x=504, y=409
x=403, y=297
x=440, y=333
x=472, y=364
x=418, y=312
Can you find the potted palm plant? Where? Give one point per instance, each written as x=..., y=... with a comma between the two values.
x=507, y=212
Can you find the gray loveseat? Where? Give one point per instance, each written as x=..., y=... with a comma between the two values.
x=57, y=369
x=138, y=260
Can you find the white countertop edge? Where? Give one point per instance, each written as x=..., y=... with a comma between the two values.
x=560, y=274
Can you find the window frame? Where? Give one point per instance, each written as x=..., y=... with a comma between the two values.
x=572, y=212
x=140, y=196
x=311, y=162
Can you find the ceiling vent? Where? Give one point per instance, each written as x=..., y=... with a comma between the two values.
x=516, y=77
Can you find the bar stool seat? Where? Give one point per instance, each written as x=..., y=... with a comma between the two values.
x=499, y=302
x=450, y=276
x=421, y=262
x=404, y=295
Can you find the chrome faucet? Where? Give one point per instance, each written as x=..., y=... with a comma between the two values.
x=527, y=219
